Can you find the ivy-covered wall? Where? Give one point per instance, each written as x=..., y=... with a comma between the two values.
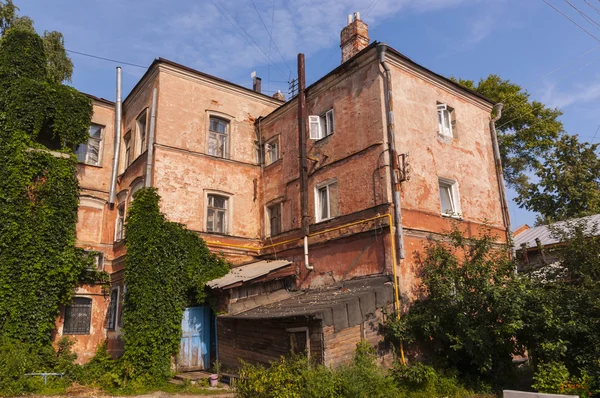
x=39, y=263
x=166, y=269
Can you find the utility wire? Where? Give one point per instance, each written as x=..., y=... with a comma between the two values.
x=595, y=134
x=245, y=35
x=566, y=16
x=589, y=19
x=107, y=59
x=591, y=5
x=270, y=35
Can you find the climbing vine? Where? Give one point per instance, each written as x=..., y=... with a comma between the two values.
x=166, y=269
x=39, y=263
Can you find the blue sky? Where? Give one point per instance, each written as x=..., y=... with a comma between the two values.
x=520, y=40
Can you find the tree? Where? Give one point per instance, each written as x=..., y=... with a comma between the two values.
x=567, y=184
x=562, y=311
x=469, y=308
x=59, y=66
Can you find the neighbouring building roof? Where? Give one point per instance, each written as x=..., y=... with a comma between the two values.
x=544, y=232
x=342, y=305
x=247, y=273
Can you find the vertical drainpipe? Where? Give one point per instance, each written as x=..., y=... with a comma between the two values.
x=499, y=173
x=150, y=157
x=302, y=117
x=115, y=168
x=382, y=47
x=399, y=236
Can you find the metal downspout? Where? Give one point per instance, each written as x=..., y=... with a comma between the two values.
x=115, y=168
x=399, y=236
x=150, y=158
x=499, y=174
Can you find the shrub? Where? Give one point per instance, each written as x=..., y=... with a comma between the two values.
x=554, y=378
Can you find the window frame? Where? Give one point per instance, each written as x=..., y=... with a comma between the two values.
x=127, y=144
x=120, y=222
x=142, y=138
x=113, y=310
x=454, y=196
x=269, y=218
x=98, y=259
x=318, y=188
x=445, y=114
x=99, y=141
x=272, y=142
x=321, y=126
x=226, y=135
x=67, y=320
x=227, y=210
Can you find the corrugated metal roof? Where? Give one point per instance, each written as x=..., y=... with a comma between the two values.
x=248, y=272
x=544, y=232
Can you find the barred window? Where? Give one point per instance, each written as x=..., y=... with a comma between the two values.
x=78, y=316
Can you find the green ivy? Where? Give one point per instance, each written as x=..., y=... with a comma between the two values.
x=39, y=264
x=166, y=269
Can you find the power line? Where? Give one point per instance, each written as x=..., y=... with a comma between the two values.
x=270, y=36
x=245, y=35
x=589, y=19
x=569, y=62
x=595, y=134
x=107, y=59
x=591, y=5
x=566, y=16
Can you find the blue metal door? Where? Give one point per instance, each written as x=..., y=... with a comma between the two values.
x=194, y=352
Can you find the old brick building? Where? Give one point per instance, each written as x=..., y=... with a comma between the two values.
x=227, y=161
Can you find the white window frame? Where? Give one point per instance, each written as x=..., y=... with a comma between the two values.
x=120, y=222
x=452, y=186
x=272, y=151
x=324, y=185
x=444, y=113
x=142, y=135
x=98, y=259
x=268, y=229
x=228, y=211
x=321, y=126
x=97, y=141
x=226, y=135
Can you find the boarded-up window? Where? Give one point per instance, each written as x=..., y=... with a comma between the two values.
x=78, y=316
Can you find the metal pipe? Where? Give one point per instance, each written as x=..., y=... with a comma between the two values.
x=499, y=174
x=150, y=155
x=117, y=145
x=302, y=117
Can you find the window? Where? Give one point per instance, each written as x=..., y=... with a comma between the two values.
x=321, y=126
x=113, y=308
x=90, y=153
x=274, y=219
x=326, y=205
x=78, y=316
x=134, y=188
x=272, y=150
x=449, y=200
x=120, y=223
x=445, y=115
x=140, y=123
x=217, y=137
x=97, y=260
x=216, y=214
x=127, y=142
x=122, y=301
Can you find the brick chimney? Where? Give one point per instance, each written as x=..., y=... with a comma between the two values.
x=354, y=37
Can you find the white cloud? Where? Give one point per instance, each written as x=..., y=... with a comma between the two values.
x=576, y=94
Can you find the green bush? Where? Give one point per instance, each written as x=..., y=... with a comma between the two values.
x=554, y=378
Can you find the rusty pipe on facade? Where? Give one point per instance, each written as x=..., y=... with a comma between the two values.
x=499, y=174
x=115, y=168
x=303, y=161
x=150, y=158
